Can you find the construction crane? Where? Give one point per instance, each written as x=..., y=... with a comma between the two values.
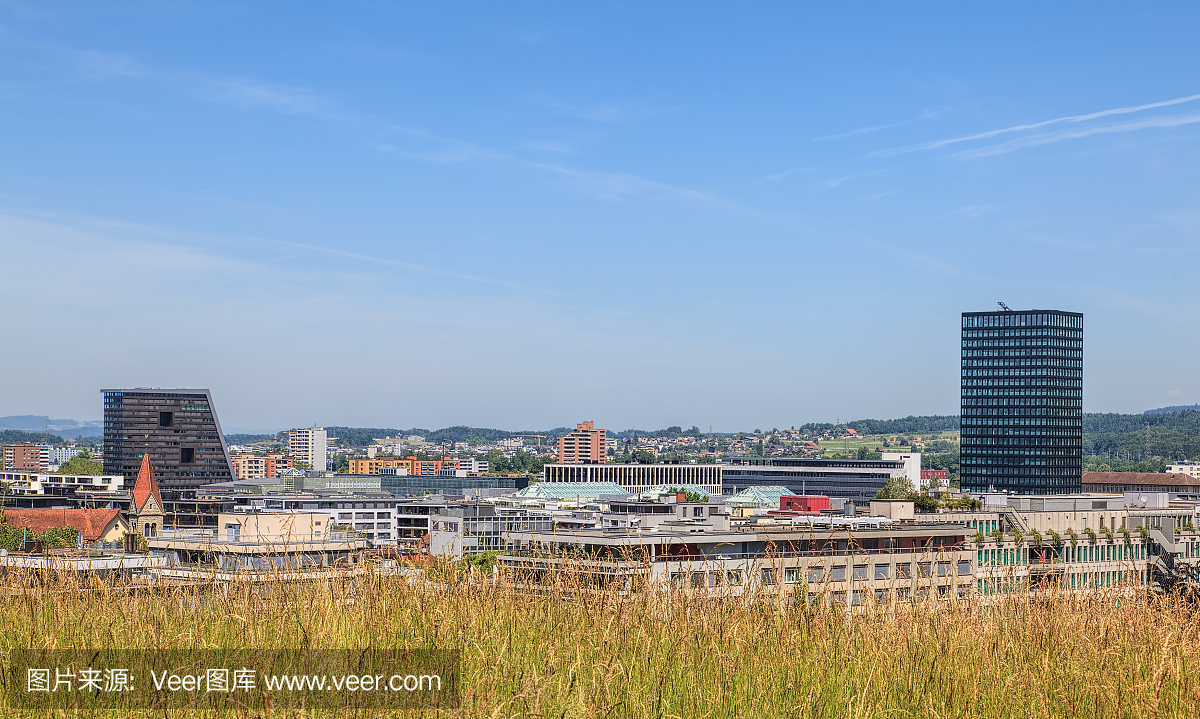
x=1004, y=307
x=539, y=436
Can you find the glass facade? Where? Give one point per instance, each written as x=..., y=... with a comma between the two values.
x=178, y=428
x=1022, y=402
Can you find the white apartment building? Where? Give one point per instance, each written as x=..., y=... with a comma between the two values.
x=58, y=455
x=309, y=445
x=473, y=466
x=1191, y=469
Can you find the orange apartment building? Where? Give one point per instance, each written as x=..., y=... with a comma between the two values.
x=411, y=465
x=253, y=466
x=27, y=457
x=585, y=445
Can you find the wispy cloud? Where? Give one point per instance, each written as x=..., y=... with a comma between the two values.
x=972, y=211
x=245, y=92
x=621, y=185
x=1046, y=138
x=934, y=144
x=603, y=112
x=778, y=176
x=927, y=114
x=878, y=196
x=388, y=136
x=839, y=181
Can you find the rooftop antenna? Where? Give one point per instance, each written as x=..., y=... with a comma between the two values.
x=1004, y=307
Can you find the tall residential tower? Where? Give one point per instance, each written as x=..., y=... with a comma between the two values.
x=176, y=428
x=1022, y=401
x=584, y=444
x=309, y=445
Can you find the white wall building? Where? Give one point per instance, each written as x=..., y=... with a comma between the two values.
x=309, y=445
x=912, y=466
x=35, y=483
x=58, y=455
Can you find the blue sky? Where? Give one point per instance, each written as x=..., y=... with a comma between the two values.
x=532, y=214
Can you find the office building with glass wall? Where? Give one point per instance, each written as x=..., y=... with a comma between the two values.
x=1022, y=402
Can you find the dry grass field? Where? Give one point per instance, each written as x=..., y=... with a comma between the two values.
x=571, y=652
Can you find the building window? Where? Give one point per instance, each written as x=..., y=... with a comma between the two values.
x=883, y=571
x=186, y=455
x=166, y=419
x=768, y=576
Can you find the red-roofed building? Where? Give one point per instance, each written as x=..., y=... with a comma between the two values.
x=146, y=509
x=94, y=525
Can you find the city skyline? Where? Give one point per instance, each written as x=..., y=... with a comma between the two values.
x=411, y=217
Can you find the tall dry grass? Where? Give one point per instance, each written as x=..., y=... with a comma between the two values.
x=571, y=652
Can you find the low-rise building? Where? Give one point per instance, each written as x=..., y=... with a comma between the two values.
x=410, y=465
x=638, y=477
x=842, y=480
x=1119, y=482
x=104, y=526
x=41, y=484
x=258, y=466
x=471, y=528
x=632, y=511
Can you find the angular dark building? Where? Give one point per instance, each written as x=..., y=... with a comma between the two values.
x=1022, y=401
x=177, y=428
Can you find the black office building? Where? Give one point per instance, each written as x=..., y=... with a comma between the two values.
x=1022, y=402
x=178, y=428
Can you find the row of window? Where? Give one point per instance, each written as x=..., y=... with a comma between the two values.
x=1027, y=322
x=1003, y=556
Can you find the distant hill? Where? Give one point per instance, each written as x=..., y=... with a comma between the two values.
x=69, y=428
x=16, y=436
x=1179, y=408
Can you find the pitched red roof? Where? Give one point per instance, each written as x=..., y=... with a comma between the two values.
x=145, y=486
x=91, y=523
x=1163, y=479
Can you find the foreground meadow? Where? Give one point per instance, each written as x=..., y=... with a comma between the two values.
x=573, y=653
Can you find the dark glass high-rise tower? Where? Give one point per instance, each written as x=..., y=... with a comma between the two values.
x=1022, y=402
x=178, y=428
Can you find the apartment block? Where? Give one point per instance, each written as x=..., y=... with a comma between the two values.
x=309, y=445
x=409, y=465
x=27, y=457
x=585, y=444
x=252, y=466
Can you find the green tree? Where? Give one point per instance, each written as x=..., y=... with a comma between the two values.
x=923, y=502
x=82, y=463
x=895, y=488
